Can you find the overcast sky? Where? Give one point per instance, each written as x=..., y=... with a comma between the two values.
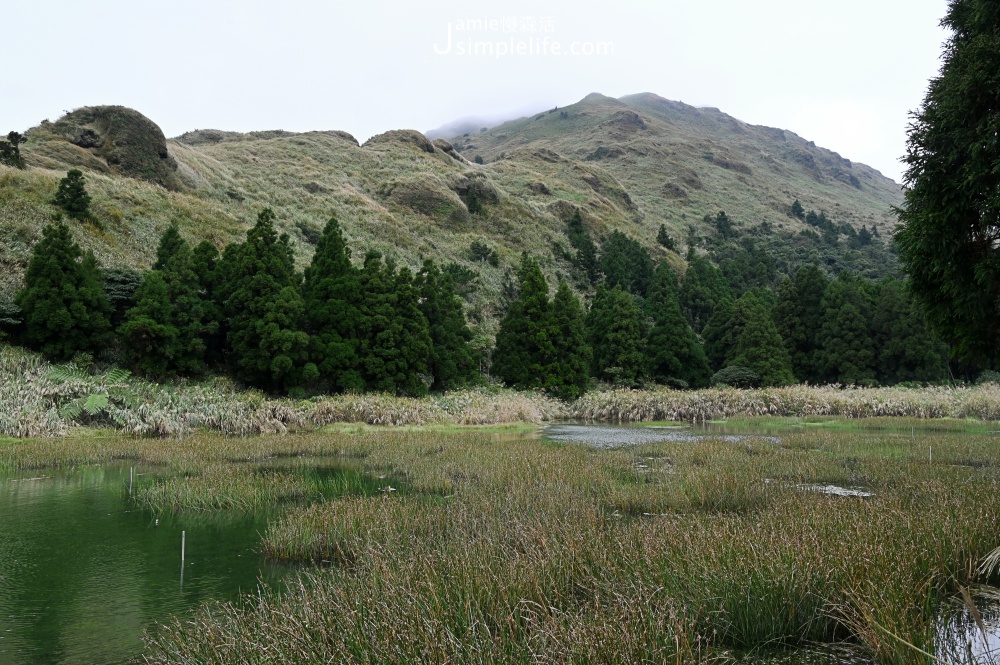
x=844, y=74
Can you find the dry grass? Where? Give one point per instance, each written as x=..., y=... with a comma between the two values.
x=981, y=402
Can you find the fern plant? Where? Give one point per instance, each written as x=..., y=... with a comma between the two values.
x=102, y=393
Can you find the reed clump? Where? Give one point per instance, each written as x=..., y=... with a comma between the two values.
x=623, y=405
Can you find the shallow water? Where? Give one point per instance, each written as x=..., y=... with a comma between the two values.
x=618, y=436
x=83, y=573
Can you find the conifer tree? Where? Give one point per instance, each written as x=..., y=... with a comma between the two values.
x=523, y=346
x=906, y=349
x=267, y=347
x=811, y=284
x=702, y=290
x=72, y=196
x=451, y=361
x=665, y=239
x=147, y=333
x=586, y=251
x=675, y=354
x=948, y=239
x=332, y=296
x=204, y=262
x=63, y=305
x=716, y=335
x=626, y=264
x=394, y=341
x=847, y=354
x=170, y=243
x=616, y=328
x=756, y=344
x=568, y=370
x=787, y=316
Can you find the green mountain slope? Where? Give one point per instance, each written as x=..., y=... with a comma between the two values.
x=627, y=164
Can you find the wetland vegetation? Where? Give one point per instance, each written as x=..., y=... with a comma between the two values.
x=501, y=545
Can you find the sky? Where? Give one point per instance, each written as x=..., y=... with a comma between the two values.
x=844, y=74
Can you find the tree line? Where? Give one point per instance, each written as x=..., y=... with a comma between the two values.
x=337, y=327
x=375, y=327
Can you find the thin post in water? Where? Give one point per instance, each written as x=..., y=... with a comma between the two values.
x=183, y=537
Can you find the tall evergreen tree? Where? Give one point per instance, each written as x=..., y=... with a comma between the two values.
x=716, y=335
x=906, y=349
x=332, y=296
x=258, y=284
x=811, y=284
x=756, y=344
x=170, y=243
x=787, y=315
x=72, y=196
x=523, y=345
x=394, y=341
x=949, y=240
x=451, y=361
x=702, y=290
x=674, y=351
x=204, y=262
x=626, y=264
x=64, y=308
x=847, y=350
x=147, y=333
x=616, y=328
x=567, y=372
x=586, y=250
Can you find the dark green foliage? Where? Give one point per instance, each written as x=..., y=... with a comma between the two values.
x=478, y=160
x=715, y=334
x=463, y=279
x=586, y=252
x=755, y=342
x=170, y=243
x=906, y=349
x=168, y=330
x=147, y=332
x=10, y=150
x=797, y=210
x=451, y=361
x=524, y=346
x=675, y=354
x=616, y=329
x=333, y=298
x=568, y=370
x=626, y=264
x=204, y=261
x=394, y=340
x=736, y=377
x=798, y=316
x=949, y=241
x=120, y=285
x=260, y=290
x=480, y=251
x=72, y=196
x=745, y=265
x=847, y=350
x=723, y=225
x=665, y=239
x=702, y=289
x=10, y=319
x=64, y=308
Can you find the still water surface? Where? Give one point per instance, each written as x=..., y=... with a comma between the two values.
x=83, y=573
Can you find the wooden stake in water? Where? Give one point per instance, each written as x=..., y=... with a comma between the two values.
x=183, y=537
x=131, y=472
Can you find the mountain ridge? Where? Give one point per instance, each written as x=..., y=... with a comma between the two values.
x=627, y=166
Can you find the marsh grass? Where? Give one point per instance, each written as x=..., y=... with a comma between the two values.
x=507, y=549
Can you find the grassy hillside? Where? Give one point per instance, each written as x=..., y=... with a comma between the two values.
x=628, y=164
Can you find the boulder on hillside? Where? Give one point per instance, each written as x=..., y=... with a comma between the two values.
x=130, y=144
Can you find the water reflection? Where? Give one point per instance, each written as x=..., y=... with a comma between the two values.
x=82, y=573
